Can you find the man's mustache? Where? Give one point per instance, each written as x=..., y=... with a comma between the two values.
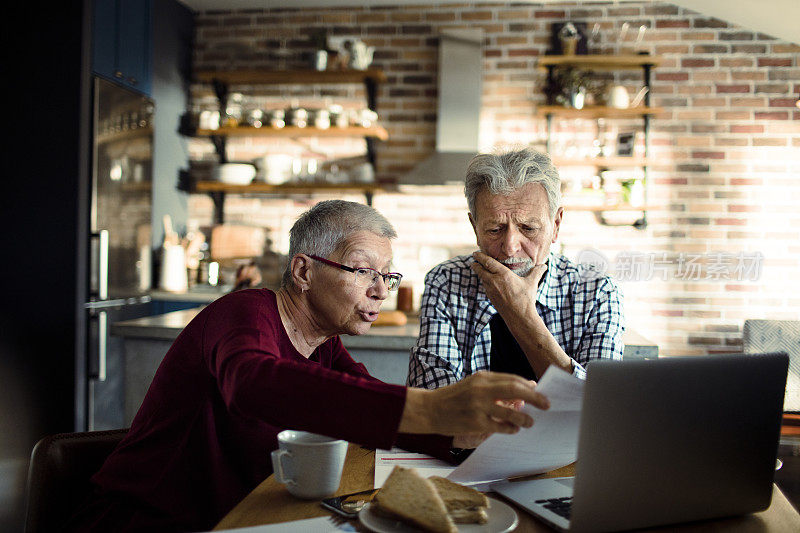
x=522, y=266
x=524, y=262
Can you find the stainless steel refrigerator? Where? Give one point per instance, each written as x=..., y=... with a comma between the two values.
x=119, y=247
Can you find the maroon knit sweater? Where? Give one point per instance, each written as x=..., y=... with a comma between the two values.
x=231, y=381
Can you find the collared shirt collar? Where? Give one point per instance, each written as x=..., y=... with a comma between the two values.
x=548, y=293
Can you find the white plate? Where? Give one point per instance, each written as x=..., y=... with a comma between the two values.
x=502, y=518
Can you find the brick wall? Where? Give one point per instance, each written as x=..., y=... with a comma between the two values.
x=723, y=239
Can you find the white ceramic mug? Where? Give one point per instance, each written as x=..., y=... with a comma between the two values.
x=310, y=465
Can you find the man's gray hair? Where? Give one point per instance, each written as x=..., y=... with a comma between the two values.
x=327, y=226
x=503, y=173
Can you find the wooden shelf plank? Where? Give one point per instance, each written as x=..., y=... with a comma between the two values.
x=378, y=132
x=600, y=61
x=310, y=188
x=288, y=77
x=601, y=162
x=590, y=112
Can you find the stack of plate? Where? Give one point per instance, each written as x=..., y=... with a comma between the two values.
x=235, y=173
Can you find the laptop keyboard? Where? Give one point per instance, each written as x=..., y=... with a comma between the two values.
x=561, y=506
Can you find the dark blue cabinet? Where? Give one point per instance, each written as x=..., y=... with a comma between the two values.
x=122, y=42
x=160, y=307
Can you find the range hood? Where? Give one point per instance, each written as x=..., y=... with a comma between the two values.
x=458, y=112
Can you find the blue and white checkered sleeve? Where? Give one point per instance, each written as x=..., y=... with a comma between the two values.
x=605, y=325
x=435, y=359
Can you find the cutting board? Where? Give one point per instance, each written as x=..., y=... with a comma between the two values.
x=230, y=241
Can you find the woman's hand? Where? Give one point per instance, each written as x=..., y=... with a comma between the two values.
x=470, y=440
x=473, y=440
x=476, y=405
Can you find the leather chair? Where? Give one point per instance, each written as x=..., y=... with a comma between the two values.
x=59, y=472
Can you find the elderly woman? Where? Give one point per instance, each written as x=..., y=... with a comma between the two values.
x=256, y=362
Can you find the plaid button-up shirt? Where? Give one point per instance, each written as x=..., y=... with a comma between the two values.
x=584, y=314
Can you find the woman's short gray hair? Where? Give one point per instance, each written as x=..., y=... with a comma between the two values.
x=505, y=172
x=326, y=226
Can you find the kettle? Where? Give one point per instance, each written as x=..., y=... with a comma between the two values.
x=361, y=55
x=618, y=97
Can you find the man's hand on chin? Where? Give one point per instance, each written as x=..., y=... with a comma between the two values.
x=507, y=291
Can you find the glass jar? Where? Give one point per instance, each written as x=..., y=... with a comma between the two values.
x=255, y=118
x=296, y=116
x=276, y=118
x=338, y=116
x=322, y=119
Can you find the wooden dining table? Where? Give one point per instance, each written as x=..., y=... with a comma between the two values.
x=271, y=503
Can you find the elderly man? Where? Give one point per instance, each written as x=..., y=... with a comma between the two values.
x=513, y=306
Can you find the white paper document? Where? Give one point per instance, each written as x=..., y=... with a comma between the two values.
x=552, y=441
x=386, y=460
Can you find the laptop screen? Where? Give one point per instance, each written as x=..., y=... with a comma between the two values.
x=677, y=439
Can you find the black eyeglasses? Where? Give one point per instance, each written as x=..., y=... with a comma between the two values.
x=365, y=277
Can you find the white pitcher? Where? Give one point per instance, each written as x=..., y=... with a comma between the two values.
x=361, y=55
x=618, y=97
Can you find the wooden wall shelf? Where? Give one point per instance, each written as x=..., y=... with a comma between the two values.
x=281, y=77
x=377, y=132
x=600, y=61
x=222, y=80
x=310, y=188
x=556, y=64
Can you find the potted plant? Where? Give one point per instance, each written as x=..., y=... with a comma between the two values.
x=572, y=85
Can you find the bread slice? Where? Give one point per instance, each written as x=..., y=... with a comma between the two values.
x=473, y=515
x=458, y=496
x=414, y=499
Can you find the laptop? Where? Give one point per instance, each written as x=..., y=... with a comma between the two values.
x=666, y=441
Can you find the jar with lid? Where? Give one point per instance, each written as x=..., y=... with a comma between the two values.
x=209, y=120
x=255, y=118
x=367, y=118
x=233, y=111
x=296, y=116
x=322, y=119
x=275, y=118
x=338, y=116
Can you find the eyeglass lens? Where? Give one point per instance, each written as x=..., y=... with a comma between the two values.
x=368, y=277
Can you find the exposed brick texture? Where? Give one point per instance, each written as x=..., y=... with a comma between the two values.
x=723, y=237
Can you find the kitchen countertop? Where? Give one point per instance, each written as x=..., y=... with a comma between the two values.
x=204, y=294
x=167, y=327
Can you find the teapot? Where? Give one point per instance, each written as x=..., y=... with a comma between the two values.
x=361, y=55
